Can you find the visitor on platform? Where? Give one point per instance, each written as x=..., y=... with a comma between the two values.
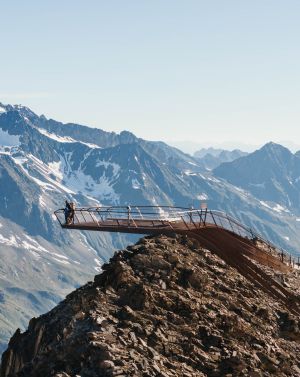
x=67, y=212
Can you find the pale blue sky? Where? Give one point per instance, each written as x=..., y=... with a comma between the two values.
x=217, y=70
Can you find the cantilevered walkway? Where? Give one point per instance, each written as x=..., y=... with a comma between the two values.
x=238, y=245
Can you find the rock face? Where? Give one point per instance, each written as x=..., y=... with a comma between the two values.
x=163, y=307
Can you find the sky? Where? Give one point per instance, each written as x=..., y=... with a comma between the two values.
x=202, y=72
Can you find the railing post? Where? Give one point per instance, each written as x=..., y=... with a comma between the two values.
x=194, y=223
x=222, y=226
x=205, y=214
x=99, y=213
x=230, y=223
x=128, y=214
x=190, y=215
x=83, y=215
x=200, y=216
x=76, y=216
x=92, y=217
x=58, y=217
x=185, y=223
x=170, y=225
x=213, y=217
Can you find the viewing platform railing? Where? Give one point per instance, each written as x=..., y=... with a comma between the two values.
x=165, y=218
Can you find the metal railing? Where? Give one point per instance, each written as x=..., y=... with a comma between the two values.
x=171, y=217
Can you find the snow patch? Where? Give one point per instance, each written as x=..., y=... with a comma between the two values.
x=33, y=245
x=42, y=202
x=265, y=204
x=22, y=244
x=8, y=140
x=55, y=137
x=202, y=196
x=135, y=184
x=60, y=256
x=11, y=241
x=98, y=262
x=188, y=172
x=212, y=179
x=116, y=168
x=48, y=183
x=78, y=181
x=20, y=160
x=61, y=261
x=55, y=168
x=65, y=139
x=279, y=208
x=239, y=189
x=90, y=145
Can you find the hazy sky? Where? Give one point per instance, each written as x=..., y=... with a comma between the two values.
x=225, y=70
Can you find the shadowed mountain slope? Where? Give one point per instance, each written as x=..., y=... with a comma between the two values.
x=271, y=174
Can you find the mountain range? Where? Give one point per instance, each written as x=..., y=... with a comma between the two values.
x=43, y=162
x=210, y=158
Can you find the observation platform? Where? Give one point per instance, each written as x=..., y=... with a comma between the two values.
x=239, y=246
x=167, y=220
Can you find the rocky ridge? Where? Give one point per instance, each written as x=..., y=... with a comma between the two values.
x=163, y=307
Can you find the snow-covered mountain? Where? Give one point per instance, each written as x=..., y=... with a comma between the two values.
x=43, y=162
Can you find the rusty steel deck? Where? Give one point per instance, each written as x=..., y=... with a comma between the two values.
x=166, y=220
x=238, y=245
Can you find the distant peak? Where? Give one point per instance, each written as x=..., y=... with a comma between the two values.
x=2, y=108
x=271, y=146
x=22, y=110
x=127, y=137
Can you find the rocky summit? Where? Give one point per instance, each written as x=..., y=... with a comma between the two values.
x=163, y=307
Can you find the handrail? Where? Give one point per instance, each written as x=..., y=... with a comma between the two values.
x=166, y=215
